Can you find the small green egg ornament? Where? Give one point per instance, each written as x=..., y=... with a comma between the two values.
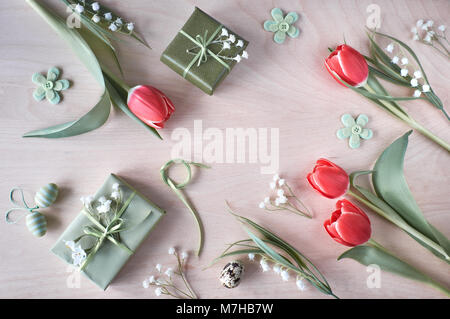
x=46, y=195
x=36, y=223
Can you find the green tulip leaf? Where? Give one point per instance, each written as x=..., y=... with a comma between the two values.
x=390, y=185
x=369, y=255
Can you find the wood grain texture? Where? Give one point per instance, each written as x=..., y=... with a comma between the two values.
x=280, y=86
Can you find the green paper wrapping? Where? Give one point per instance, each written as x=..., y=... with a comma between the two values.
x=210, y=74
x=107, y=262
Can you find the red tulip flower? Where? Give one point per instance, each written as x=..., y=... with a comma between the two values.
x=329, y=179
x=150, y=105
x=348, y=224
x=349, y=65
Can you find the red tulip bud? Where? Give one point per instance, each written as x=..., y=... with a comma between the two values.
x=329, y=179
x=150, y=105
x=349, y=65
x=348, y=224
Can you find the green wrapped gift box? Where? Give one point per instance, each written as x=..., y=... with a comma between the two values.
x=204, y=51
x=138, y=216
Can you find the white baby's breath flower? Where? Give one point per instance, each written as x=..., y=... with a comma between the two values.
x=404, y=60
x=169, y=272
x=404, y=72
x=130, y=26
x=224, y=32
x=118, y=21
x=108, y=16
x=395, y=59
x=280, y=192
x=171, y=251
x=277, y=202
x=430, y=23
x=158, y=292
x=301, y=284
x=237, y=58
x=240, y=43
x=244, y=54
x=417, y=74
x=285, y=275
x=281, y=182
x=226, y=45
x=262, y=205
x=425, y=88
x=115, y=186
x=266, y=200
x=113, y=27
x=145, y=284
x=102, y=199
x=276, y=177
x=416, y=37
x=79, y=8
x=184, y=255
x=427, y=38
x=273, y=185
x=419, y=23
x=282, y=199
x=231, y=38
x=115, y=195
x=96, y=18
x=414, y=82
x=251, y=256
x=390, y=47
x=95, y=6
x=442, y=28
x=424, y=27
x=276, y=269
x=151, y=279
x=264, y=265
x=102, y=209
x=158, y=267
x=417, y=93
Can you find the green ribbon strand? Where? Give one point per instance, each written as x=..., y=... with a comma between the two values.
x=202, y=55
x=18, y=206
x=101, y=232
x=177, y=187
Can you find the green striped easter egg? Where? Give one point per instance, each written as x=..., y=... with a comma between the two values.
x=37, y=224
x=46, y=195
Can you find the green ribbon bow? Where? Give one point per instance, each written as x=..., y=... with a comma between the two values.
x=176, y=188
x=110, y=231
x=202, y=55
x=17, y=206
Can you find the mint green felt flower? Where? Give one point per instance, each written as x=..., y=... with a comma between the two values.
x=282, y=25
x=354, y=129
x=49, y=86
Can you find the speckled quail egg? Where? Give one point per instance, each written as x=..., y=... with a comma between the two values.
x=231, y=274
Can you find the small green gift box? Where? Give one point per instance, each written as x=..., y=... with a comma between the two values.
x=204, y=51
x=110, y=227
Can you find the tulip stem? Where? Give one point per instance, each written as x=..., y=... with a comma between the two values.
x=399, y=222
x=411, y=122
x=429, y=281
x=118, y=81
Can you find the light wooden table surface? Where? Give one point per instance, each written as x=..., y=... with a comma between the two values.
x=280, y=86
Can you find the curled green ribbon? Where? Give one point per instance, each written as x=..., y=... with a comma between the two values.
x=101, y=232
x=202, y=54
x=17, y=206
x=177, y=187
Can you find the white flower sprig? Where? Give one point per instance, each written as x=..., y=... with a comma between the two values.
x=229, y=43
x=278, y=269
x=284, y=198
x=425, y=33
x=164, y=281
x=415, y=77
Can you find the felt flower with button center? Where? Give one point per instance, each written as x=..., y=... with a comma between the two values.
x=282, y=25
x=354, y=130
x=49, y=86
